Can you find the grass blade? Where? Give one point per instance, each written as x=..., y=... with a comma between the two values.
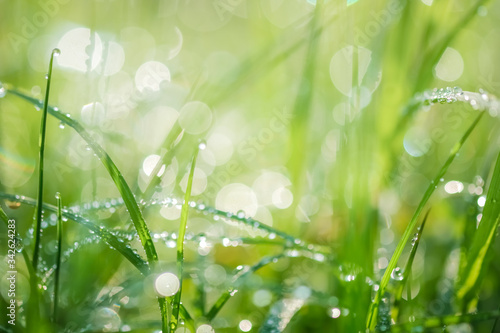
x=372, y=313
x=116, y=176
x=238, y=277
x=407, y=270
x=180, y=239
x=41, y=156
x=58, y=256
x=33, y=308
x=479, y=256
x=439, y=322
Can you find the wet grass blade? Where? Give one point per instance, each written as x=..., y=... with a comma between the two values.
x=41, y=158
x=58, y=256
x=116, y=176
x=33, y=307
x=479, y=255
x=407, y=271
x=424, y=325
x=300, y=120
x=372, y=313
x=180, y=242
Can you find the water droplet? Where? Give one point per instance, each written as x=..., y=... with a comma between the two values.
x=61, y=125
x=46, y=76
x=397, y=274
x=58, y=195
x=202, y=144
x=240, y=214
x=56, y=52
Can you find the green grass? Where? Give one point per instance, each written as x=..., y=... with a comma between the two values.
x=358, y=141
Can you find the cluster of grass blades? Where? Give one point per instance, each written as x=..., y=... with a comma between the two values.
x=379, y=318
x=357, y=297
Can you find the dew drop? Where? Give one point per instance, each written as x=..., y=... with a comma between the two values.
x=58, y=195
x=46, y=76
x=202, y=144
x=56, y=52
x=240, y=214
x=61, y=125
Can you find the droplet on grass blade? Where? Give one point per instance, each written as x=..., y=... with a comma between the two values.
x=3, y=92
x=12, y=204
x=397, y=274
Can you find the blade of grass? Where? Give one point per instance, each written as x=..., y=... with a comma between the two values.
x=180, y=240
x=122, y=186
x=58, y=256
x=479, y=255
x=372, y=313
x=41, y=157
x=108, y=237
x=300, y=120
x=407, y=271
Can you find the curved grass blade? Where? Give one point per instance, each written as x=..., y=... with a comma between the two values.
x=109, y=238
x=407, y=271
x=479, y=255
x=291, y=241
x=41, y=157
x=117, y=177
x=180, y=241
x=58, y=256
x=423, y=325
x=372, y=313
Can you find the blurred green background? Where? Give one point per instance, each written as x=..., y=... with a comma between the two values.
x=302, y=109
